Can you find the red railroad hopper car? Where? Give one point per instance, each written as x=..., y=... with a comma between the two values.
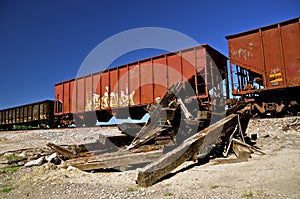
x=126, y=90
x=265, y=66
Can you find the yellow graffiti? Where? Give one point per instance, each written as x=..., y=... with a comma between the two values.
x=109, y=100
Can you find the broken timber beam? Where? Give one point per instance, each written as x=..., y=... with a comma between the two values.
x=247, y=145
x=122, y=159
x=62, y=151
x=169, y=161
x=241, y=151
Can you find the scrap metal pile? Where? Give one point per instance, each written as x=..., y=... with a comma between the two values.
x=174, y=134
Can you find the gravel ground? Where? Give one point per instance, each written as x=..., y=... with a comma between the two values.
x=275, y=175
x=14, y=140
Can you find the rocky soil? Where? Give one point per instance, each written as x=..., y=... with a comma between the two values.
x=275, y=175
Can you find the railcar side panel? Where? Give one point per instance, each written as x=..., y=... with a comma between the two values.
x=88, y=93
x=273, y=59
x=1, y=117
x=246, y=51
x=291, y=44
x=147, y=84
x=42, y=113
x=25, y=114
x=201, y=56
x=96, y=91
x=123, y=93
x=80, y=97
x=21, y=114
x=105, y=90
x=174, y=68
x=134, y=85
x=29, y=113
x=270, y=54
x=188, y=61
x=71, y=95
x=59, y=97
x=161, y=76
x=35, y=112
x=113, y=87
x=66, y=97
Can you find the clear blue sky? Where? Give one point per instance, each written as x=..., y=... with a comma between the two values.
x=45, y=42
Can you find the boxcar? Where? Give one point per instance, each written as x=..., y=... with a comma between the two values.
x=135, y=85
x=265, y=65
x=35, y=114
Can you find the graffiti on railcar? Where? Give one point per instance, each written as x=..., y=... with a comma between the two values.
x=244, y=53
x=110, y=100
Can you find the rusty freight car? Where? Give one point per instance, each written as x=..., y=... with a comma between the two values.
x=126, y=90
x=34, y=114
x=265, y=66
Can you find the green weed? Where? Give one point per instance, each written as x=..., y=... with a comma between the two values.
x=3, y=139
x=214, y=186
x=9, y=169
x=13, y=157
x=7, y=189
x=168, y=194
x=131, y=189
x=248, y=194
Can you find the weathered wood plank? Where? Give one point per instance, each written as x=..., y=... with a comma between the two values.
x=114, y=159
x=247, y=145
x=241, y=151
x=123, y=161
x=169, y=161
x=62, y=151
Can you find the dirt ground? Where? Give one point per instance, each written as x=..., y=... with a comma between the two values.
x=275, y=175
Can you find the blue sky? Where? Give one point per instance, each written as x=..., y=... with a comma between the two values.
x=45, y=42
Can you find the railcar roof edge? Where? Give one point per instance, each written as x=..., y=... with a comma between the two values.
x=145, y=59
x=263, y=27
